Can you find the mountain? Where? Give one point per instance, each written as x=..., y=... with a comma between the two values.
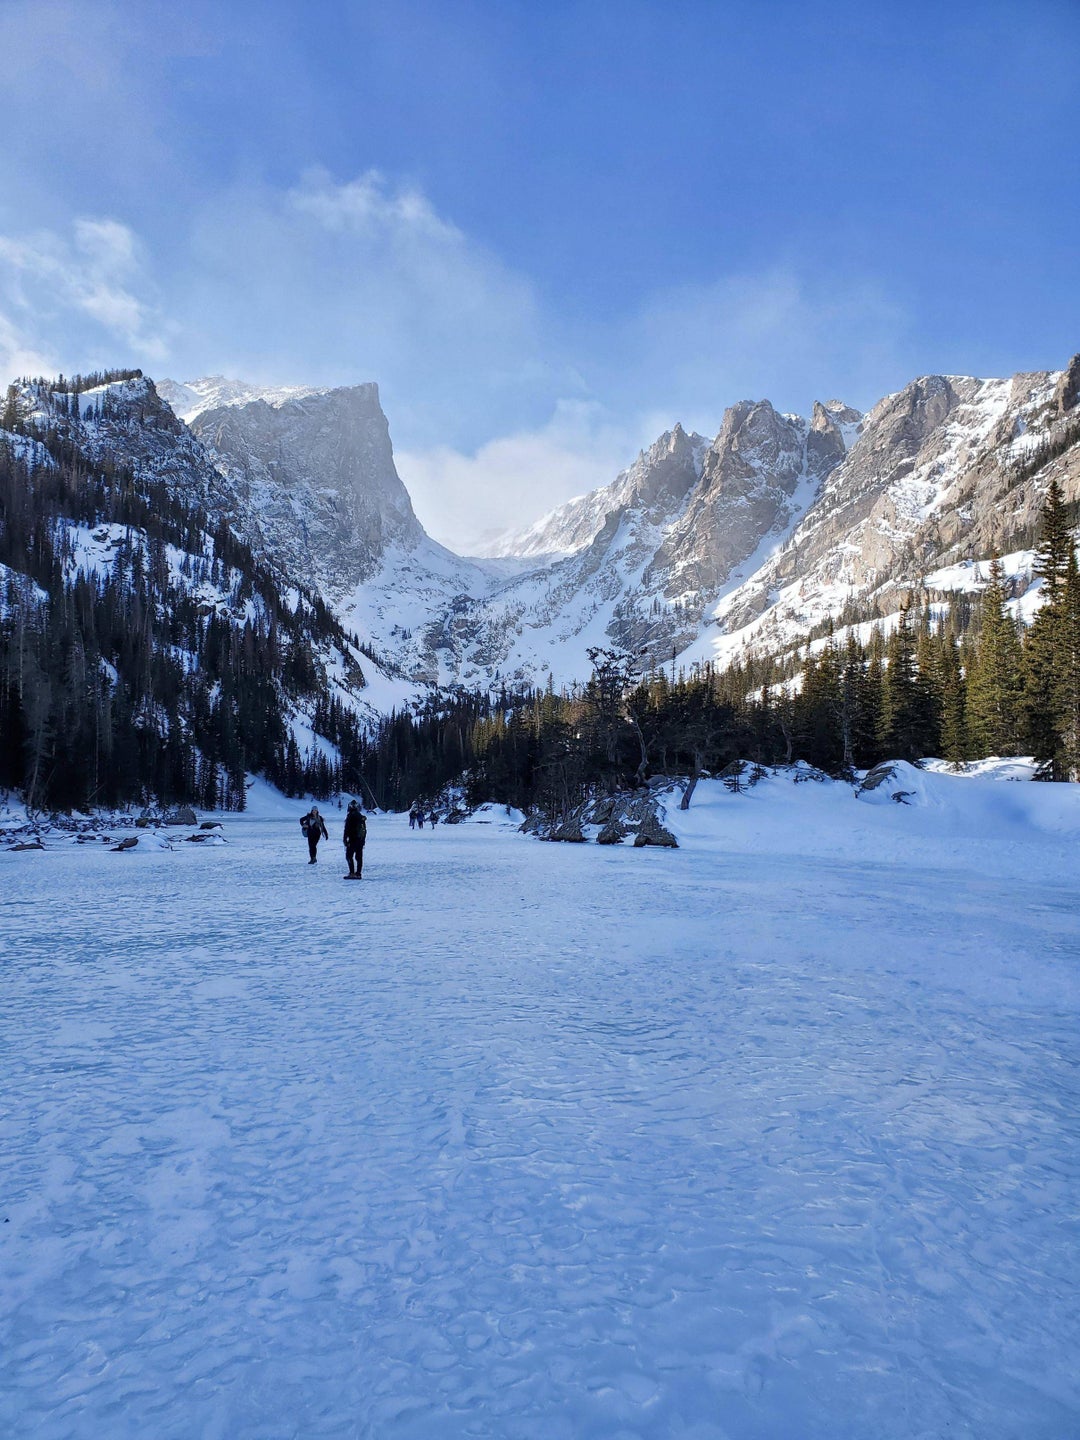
x=188, y=399
x=948, y=469
x=310, y=481
x=701, y=548
x=252, y=588
x=307, y=479
x=668, y=469
x=145, y=648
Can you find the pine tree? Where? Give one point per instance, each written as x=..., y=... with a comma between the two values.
x=1047, y=644
x=995, y=684
x=905, y=718
x=1069, y=683
x=955, y=745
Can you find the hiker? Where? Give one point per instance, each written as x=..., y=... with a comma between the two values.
x=412, y=817
x=419, y=818
x=433, y=819
x=314, y=827
x=355, y=836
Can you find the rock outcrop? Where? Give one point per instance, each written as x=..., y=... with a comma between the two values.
x=312, y=482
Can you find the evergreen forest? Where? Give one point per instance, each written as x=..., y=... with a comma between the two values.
x=169, y=677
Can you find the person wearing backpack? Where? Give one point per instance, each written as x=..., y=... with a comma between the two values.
x=314, y=828
x=355, y=838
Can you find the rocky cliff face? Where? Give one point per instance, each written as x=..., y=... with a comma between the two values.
x=311, y=481
x=948, y=468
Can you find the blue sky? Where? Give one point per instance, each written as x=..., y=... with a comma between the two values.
x=549, y=230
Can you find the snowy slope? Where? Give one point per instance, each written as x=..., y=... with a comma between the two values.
x=770, y=1136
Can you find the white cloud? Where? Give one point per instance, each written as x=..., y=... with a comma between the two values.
x=464, y=499
x=18, y=355
x=502, y=408
x=368, y=204
x=332, y=282
x=51, y=285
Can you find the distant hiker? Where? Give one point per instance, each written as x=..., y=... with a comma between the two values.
x=355, y=836
x=314, y=827
x=412, y=818
x=419, y=818
x=433, y=817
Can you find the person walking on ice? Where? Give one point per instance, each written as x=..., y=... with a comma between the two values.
x=314, y=827
x=355, y=837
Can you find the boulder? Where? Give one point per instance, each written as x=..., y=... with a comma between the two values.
x=210, y=825
x=613, y=833
x=128, y=843
x=651, y=832
x=28, y=845
x=142, y=823
x=877, y=776
x=569, y=830
x=182, y=815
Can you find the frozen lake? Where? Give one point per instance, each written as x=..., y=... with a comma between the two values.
x=773, y=1136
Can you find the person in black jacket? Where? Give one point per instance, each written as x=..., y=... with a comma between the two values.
x=314, y=827
x=355, y=836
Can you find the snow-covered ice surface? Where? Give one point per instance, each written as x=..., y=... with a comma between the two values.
x=772, y=1136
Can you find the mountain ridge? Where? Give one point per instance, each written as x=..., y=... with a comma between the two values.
x=702, y=548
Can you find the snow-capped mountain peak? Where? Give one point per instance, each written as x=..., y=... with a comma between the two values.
x=189, y=398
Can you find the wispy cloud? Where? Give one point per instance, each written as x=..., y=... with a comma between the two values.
x=502, y=409
x=333, y=281
x=369, y=205
x=49, y=283
x=465, y=498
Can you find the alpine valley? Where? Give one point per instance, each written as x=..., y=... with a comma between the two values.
x=701, y=548
x=272, y=524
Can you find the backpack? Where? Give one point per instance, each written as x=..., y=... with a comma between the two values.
x=305, y=825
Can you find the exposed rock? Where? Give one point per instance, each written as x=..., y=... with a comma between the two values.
x=27, y=845
x=613, y=833
x=210, y=825
x=182, y=815
x=877, y=776
x=940, y=472
x=323, y=454
x=569, y=830
x=651, y=832
x=1067, y=392
x=128, y=843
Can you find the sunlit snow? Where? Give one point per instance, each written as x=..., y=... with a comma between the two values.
x=771, y=1136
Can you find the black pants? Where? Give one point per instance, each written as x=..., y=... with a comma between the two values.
x=354, y=854
x=313, y=844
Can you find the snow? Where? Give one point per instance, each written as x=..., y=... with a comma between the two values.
x=190, y=398
x=970, y=577
x=31, y=453
x=771, y=1136
x=27, y=591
